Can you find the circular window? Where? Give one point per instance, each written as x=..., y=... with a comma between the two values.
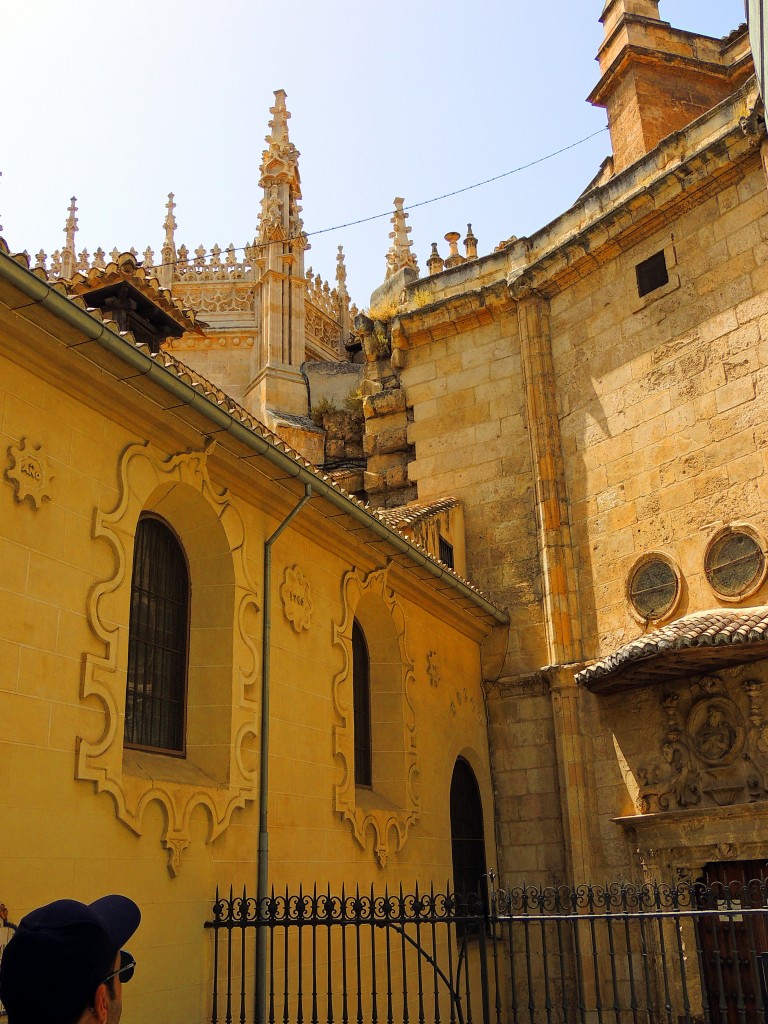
x=654, y=587
x=735, y=563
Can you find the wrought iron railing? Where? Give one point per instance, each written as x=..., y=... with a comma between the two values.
x=616, y=954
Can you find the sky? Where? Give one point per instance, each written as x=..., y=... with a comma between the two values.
x=119, y=104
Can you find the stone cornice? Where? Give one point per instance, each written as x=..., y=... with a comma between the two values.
x=450, y=316
x=633, y=53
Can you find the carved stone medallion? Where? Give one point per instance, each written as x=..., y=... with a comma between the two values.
x=716, y=731
x=296, y=598
x=30, y=473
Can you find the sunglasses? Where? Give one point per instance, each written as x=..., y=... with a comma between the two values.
x=126, y=969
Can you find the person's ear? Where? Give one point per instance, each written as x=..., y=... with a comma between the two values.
x=100, y=1004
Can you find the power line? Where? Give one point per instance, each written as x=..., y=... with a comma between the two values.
x=466, y=188
x=411, y=206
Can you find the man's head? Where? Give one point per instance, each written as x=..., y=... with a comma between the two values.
x=64, y=960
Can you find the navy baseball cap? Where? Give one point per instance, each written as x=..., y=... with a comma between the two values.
x=60, y=954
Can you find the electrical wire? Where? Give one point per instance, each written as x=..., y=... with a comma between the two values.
x=411, y=206
x=466, y=188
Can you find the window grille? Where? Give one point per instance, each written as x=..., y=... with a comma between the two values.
x=361, y=700
x=734, y=564
x=654, y=588
x=155, y=702
x=445, y=552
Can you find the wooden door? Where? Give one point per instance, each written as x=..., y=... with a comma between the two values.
x=731, y=943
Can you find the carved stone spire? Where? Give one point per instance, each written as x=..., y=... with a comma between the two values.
x=68, y=255
x=170, y=222
x=341, y=272
x=277, y=382
x=168, y=252
x=341, y=288
x=401, y=253
x=280, y=179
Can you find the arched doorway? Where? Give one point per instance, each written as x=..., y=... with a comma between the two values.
x=467, y=836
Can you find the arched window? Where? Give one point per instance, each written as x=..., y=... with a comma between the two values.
x=155, y=703
x=361, y=699
x=467, y=838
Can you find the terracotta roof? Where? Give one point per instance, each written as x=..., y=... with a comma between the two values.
x=409, y=515
x=127, y=269
x=696, y=643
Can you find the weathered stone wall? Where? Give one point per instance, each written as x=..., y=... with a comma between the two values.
x=469, y=432
x=662, y=404
x=525, y=777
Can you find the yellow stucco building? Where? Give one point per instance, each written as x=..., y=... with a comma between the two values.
x=575, y=422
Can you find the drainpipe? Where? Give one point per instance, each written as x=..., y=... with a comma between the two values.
x=260, y=989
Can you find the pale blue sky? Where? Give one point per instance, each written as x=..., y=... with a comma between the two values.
x=119, y=104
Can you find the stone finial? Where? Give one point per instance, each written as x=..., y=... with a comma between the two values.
x=400, y=254
x=99, y=260
x=435, y=263
x=341, y=271
x=280, y=158
x=68, y=255
x=454, y=256
x=169, y=224
x=40, y=259
x=342, y=298
x=279, y=219
x=470, y=244
x=168, y=251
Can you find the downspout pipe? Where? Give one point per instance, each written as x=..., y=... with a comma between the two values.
x=262, y=893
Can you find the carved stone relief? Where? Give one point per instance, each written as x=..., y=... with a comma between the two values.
x=714, y=751
x=211, y=529
x=296, y=598
x=433, y=668
x=210, y=341
x=463, y=699
x=371, y=600
x=30, y=473
x=321, y=328
x=217, y=296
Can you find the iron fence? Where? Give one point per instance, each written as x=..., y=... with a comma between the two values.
x=622, y=953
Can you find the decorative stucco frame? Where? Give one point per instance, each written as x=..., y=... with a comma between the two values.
x=223, y=664
x=391, y=807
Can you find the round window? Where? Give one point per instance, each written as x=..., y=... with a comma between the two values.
x=654, y=587
x=735, y=563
